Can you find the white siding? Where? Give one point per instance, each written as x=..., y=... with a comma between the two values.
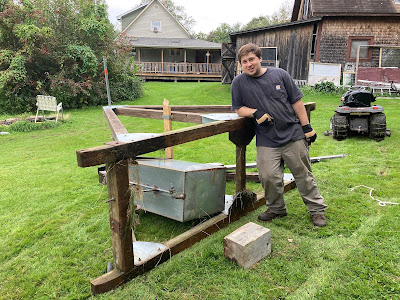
x=155, y=12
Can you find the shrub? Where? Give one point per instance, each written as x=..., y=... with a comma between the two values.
x=56, y=48
x=327, y=87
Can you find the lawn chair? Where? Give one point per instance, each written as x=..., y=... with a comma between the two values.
x=48, y=103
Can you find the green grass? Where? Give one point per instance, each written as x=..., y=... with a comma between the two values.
x=55, y=235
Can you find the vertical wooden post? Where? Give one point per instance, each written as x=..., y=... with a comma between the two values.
x=357, y=62
x=118, y=198
x=185, y=65
x=167, y=124
x=162, y=60
x=208, y=59
x=240, y=177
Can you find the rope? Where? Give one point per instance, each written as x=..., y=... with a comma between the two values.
x=381, y=203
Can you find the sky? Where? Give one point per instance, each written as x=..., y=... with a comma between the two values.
x=208, y=14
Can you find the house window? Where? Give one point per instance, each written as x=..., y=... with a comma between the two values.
x=269, y=57
x=305, y=8
x=155, y=26
x=175, y=52
x=365, y=52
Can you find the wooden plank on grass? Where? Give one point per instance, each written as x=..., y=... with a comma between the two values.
x=120, y=151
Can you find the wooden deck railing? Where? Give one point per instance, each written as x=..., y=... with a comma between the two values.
x=180, y=68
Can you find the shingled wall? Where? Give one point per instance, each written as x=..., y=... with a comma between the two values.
x=335, y=33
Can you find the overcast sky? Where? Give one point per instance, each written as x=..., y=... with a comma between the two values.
x=208, y=14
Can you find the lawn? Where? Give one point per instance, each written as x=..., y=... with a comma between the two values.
x=55, y=235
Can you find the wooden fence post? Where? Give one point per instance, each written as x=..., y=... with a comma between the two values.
x=119, y=201
x=167, y=124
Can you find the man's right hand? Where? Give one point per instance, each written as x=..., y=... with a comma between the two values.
x=263, y=118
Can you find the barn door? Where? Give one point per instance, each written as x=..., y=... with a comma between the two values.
x=228, y=56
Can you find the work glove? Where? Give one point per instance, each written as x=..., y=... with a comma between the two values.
x=310, y=134
x=263, y=118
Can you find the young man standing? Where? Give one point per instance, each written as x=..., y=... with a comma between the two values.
x=283, y=132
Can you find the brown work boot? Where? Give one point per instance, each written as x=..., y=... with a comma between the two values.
x=268, y=216
x=318, y=219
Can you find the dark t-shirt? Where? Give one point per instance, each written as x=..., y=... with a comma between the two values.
x=273, y=92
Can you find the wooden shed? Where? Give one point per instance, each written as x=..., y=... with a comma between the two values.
x=331, y=32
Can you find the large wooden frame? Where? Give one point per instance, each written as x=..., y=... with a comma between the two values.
x=117, y=155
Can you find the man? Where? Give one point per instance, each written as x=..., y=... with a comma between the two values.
x=283, y=132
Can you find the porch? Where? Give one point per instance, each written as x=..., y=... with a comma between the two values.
x=180, y=71
x=177, y=59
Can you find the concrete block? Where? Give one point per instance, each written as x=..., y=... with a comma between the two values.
x=248, y=244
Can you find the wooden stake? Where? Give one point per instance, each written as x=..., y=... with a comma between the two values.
x=167, y=124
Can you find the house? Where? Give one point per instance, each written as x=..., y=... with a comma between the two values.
x=326, y=36
x=165, y=49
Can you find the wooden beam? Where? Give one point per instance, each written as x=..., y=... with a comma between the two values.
x=187, y=117
x=250, y=176
x=116, y=151
x=114, y=123
x=119, y=202
x=203, y=109
x=309, y=107
x=240, y=178
x=167, y=124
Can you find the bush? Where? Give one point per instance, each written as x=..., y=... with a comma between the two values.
x=326, y=87
x=56, y=48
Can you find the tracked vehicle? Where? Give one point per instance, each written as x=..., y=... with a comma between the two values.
x=356, y=115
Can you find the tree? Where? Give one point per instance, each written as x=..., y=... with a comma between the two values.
x=56, y=47
x=283, y=15
x=221, y=33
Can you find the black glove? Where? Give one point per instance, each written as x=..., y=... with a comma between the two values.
x=310, y=134
x=263, y=118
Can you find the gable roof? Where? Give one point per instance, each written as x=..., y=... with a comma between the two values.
x=141, y=9
x=276, y=26
x=137, y=9
x=320, y=8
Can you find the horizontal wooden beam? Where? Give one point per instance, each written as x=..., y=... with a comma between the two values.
x=114, y=123
x=250, y=176
x=178, y=116
x=116, y=151
x=203, y=109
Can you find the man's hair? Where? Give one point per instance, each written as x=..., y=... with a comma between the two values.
x=249, y=48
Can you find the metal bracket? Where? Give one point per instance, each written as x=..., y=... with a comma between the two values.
x=167, y=117
x=114, y=225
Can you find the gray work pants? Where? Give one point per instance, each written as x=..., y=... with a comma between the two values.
x=270, y=163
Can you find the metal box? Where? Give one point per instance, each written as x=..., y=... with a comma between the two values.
x=179, y=190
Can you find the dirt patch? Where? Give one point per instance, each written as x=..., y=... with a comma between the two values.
x=8, y=122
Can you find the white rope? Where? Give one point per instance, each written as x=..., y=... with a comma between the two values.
x=381, y=203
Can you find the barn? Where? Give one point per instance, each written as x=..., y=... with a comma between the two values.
x=327, y=36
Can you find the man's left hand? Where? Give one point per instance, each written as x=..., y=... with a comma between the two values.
x=310, y=134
